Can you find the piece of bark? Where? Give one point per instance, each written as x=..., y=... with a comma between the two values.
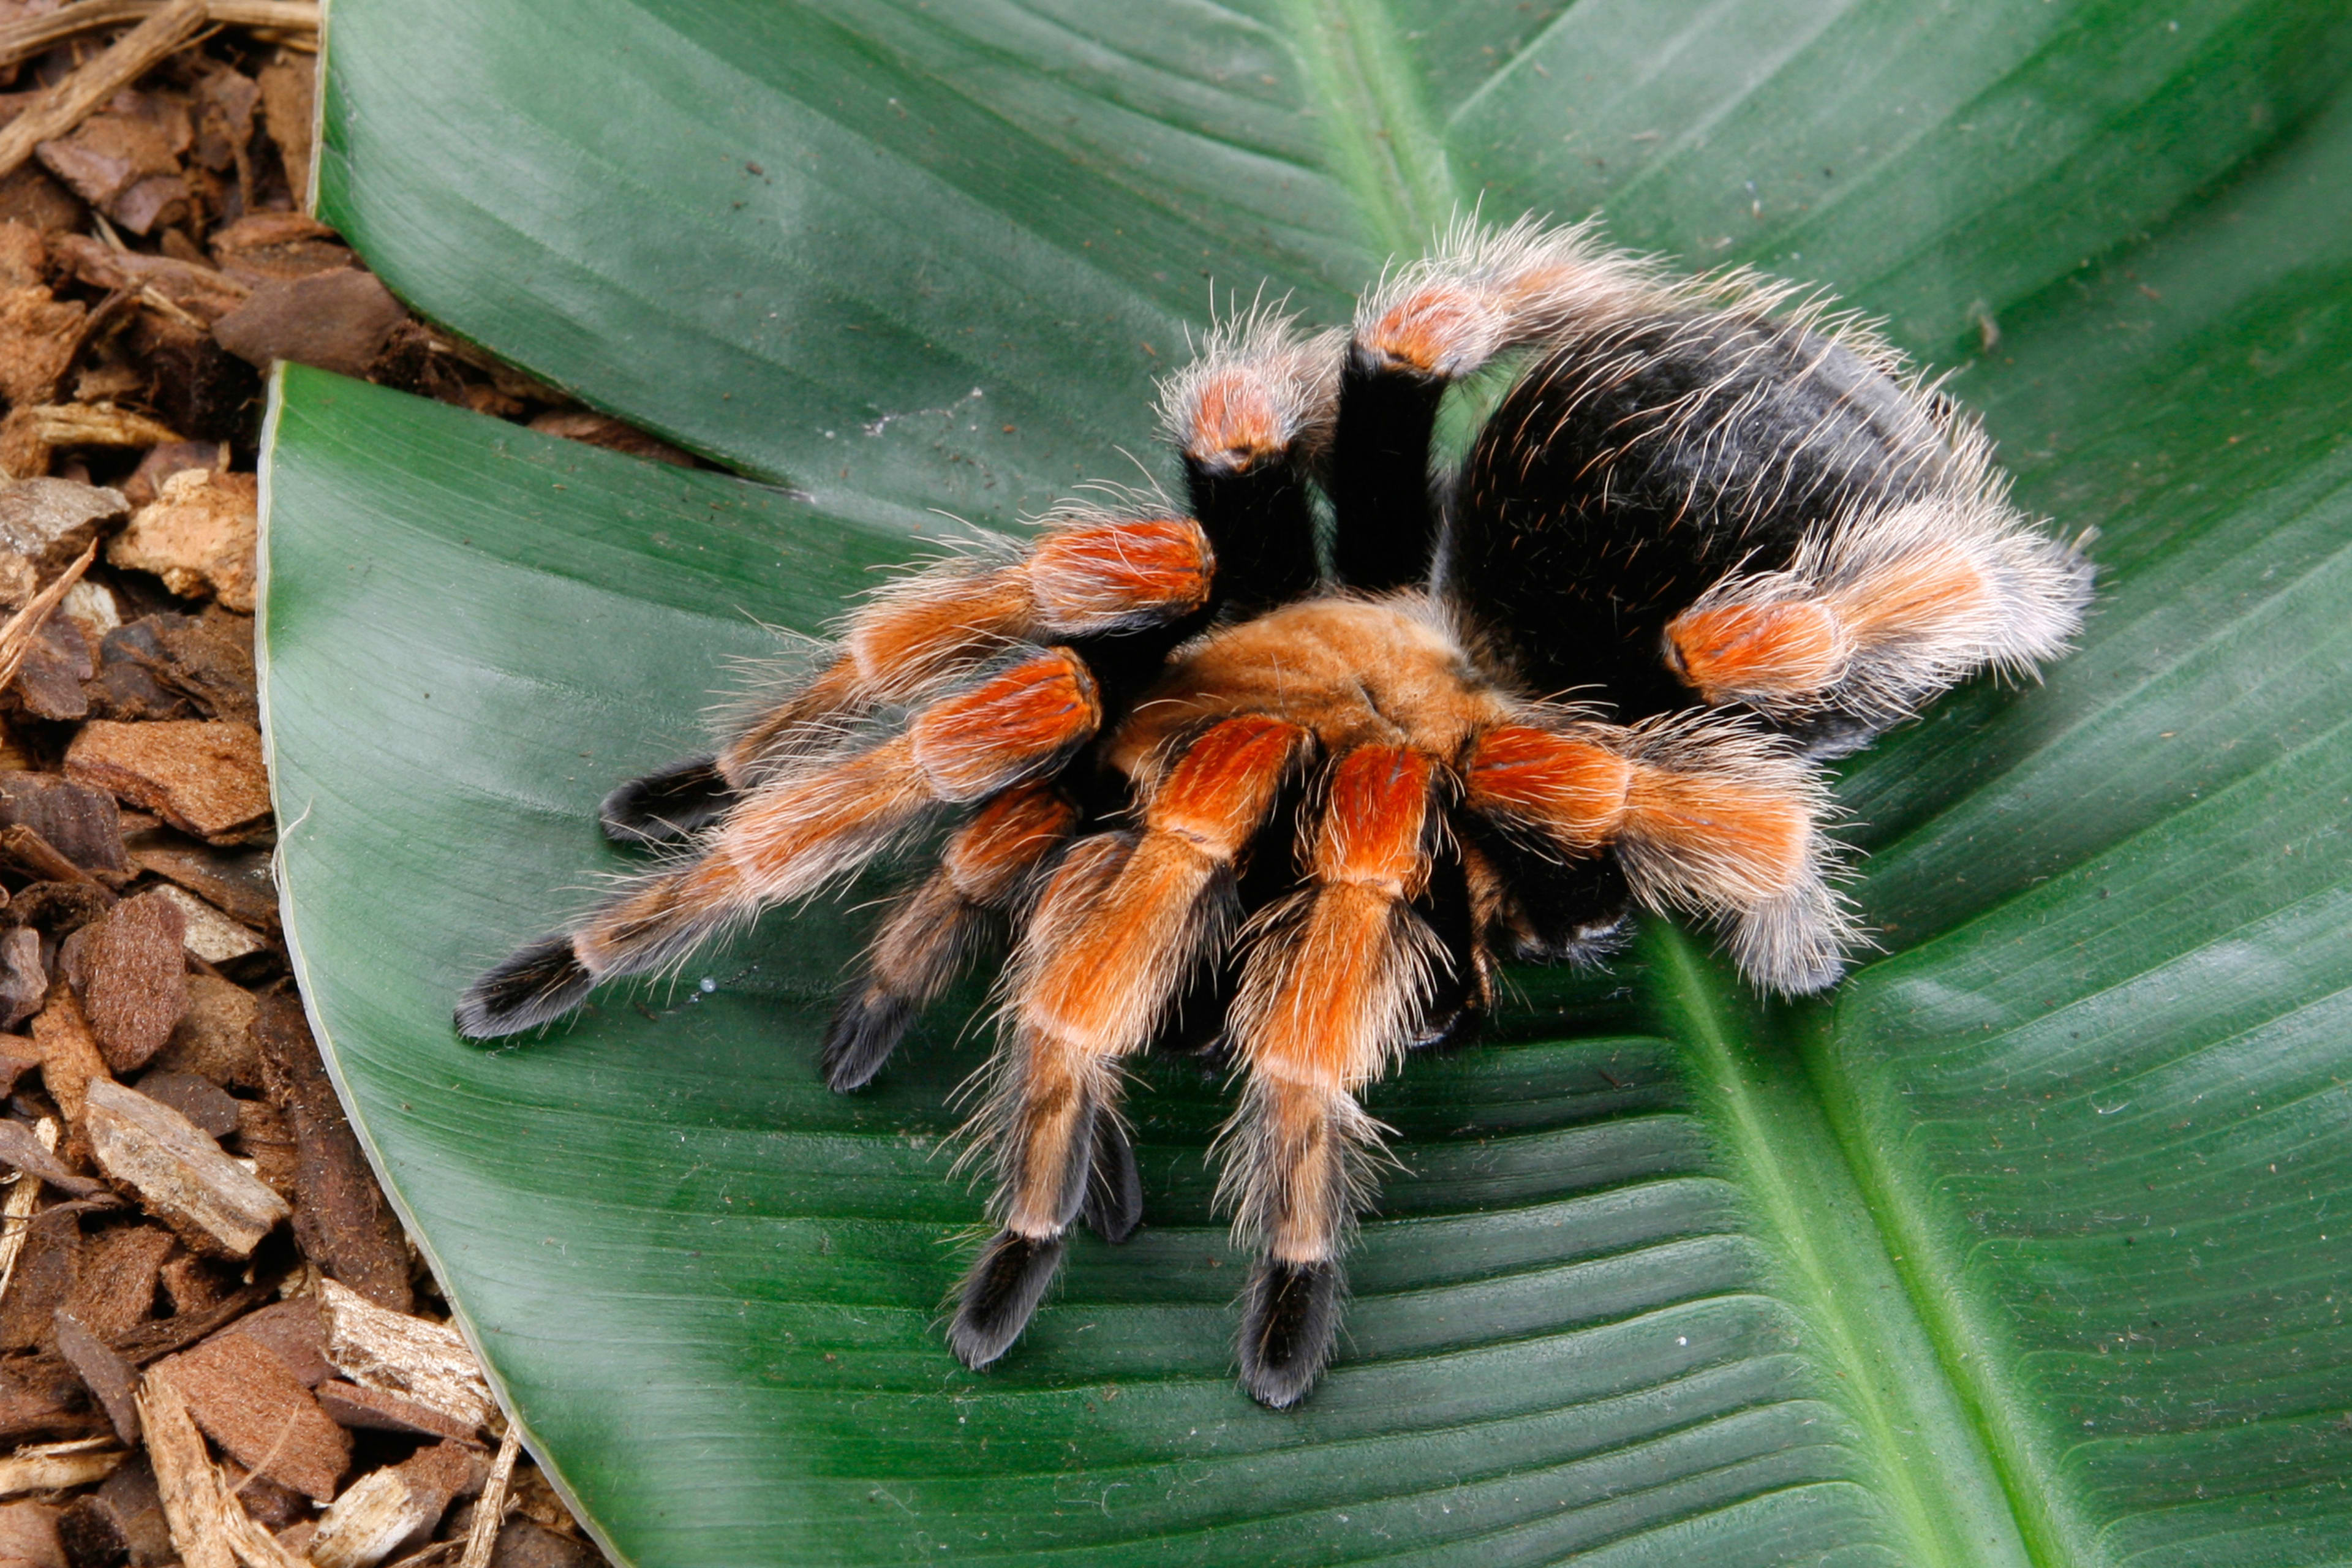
x=29, y=1536
x=61, y=108
x=197, y=535
x=288, y=107
x=203, y=777
x=163, y=461
x=208, y=1529
x=52, y=521
x=18, y=578
x=82, y=824
x=24, y=257
x=53, y=663
x=123, y=164
x=341, y=1218
x=200, y=1101
x=259, y=1413
x=43, y=1278
x=362, y=1408
x=33, y=197
x=70, y=1061
x=114, y=1278
x=270, y=1504
x=199, y=290
x=428, y=1361
x=37, y=1399
x=193, y=1283
x=138, y=987
x=13, y=1065
x=168, y=666
x=276, y=248
x=185, y=1180
x=338, y=320
x=23, y=847
x=53, y=1466
x=391, y=1508
x=154, y=1340
x=112, y=1381
x=39, y=337
x=21, y=1150
x=24, y=983
x=214, y=1038
x=121, y=1523
x=527, y=1544
x=295, y=1333
x=264, y=1137
x=205, y=932
x=31, y=433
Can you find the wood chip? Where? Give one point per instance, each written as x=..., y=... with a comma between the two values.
x=115, y=1277
x=82, y=825
x=489, y=1510
x=198, y=535
x=37, y=1257
x=112, y=1381
x=389, y=1508
x=254, y=1408
x=295, y=1333
x=122, y=1522
x=366, y=1409
x=209, y=935
x=70, y=1061
x=24, y=983
x=138, y=979
x=64, y=106
x=52, y=521
x=31, y=431
x=212, y=1202
x=52, y=1467
x=203, y=777
x=29, y=1536
x=428, y=1361
x=199, y=1099
x=341, y=1217
x=23, y=630
x=338, y=320
x=215, y=1038
x=21, y=1147
x=152, y=1341
x=210, y=1530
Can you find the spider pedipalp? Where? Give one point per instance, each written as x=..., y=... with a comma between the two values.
x=1218, y=789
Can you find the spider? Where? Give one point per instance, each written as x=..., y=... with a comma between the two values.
x=1224, y=796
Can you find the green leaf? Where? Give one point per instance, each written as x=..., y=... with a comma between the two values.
x=2023, y=1248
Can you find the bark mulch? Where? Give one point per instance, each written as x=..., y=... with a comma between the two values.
x=216, y=1344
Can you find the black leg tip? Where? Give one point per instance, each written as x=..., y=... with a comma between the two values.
x=666, y=806
x=1114, y=1203
x=998, y=1296
x=866, y=1028
x=537, y=985
x=1289, y=1319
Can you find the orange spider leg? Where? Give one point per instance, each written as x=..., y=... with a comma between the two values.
x=1329, y=999
x=1876, y=613
x=1707, y=818
x=788, y=839
x=1118, y=930
x=931, y=932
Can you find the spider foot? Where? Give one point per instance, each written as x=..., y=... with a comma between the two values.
x=667, y=806
x=1114, y=1202
x=866, y=1028
x=537, y=985
x=999, y=1295
x=1290, y=1317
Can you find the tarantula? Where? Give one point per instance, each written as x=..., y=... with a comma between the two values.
x=1296, y=812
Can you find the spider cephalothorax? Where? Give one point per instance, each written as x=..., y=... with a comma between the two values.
x=1218, y=792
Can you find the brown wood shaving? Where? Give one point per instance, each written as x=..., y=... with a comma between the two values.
x=491, y=1508
x=211, y=1528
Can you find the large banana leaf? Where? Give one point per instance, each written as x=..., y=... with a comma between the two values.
x=2023, y=1248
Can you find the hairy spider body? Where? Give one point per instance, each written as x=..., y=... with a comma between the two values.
x=1222, y=799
